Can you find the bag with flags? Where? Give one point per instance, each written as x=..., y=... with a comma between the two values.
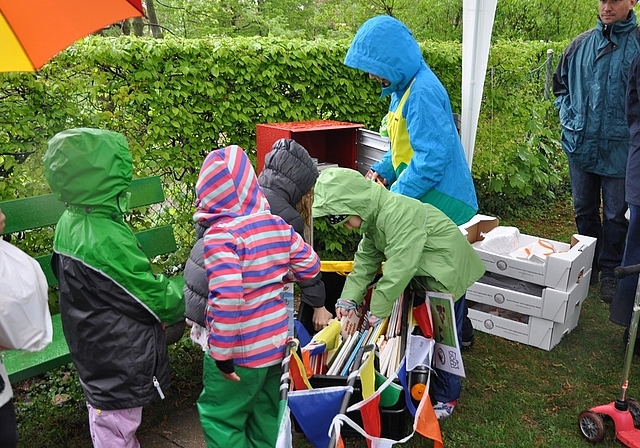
x=425, y=420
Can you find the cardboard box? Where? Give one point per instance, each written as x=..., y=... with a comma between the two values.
x=561, y=270
x=553, y=304
x=541, y=333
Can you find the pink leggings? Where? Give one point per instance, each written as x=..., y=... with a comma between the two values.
x=115, y=428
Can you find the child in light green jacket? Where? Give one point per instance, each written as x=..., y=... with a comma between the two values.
x=413, y=239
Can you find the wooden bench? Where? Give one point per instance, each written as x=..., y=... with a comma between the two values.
x=33, y=213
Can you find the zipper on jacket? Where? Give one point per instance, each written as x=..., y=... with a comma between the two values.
x=156, y=384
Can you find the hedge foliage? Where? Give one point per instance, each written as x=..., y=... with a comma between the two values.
x=177, y=99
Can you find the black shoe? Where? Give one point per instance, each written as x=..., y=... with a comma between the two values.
x=468, y=336
x=625, y=339
x=607, y=289
x=467, y=343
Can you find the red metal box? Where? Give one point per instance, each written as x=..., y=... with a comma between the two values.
x=328, y=141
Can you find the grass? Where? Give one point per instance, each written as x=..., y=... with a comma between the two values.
x=514, y=395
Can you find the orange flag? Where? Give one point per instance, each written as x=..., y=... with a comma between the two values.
x=426, y=422
x=306, y=360
x=298, y=373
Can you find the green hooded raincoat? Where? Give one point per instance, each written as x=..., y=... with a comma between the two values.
x=412, y=238
x=111, y=303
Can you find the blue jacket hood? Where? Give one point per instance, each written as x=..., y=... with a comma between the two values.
x=384, y=46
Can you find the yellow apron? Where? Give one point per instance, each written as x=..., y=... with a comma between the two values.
x=402, y=152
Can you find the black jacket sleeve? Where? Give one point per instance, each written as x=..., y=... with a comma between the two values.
x=196, y=284
x=312, y=291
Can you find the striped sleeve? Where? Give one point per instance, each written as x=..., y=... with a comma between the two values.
x=226, y=299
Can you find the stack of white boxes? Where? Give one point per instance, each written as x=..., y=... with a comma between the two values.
x=532, y=319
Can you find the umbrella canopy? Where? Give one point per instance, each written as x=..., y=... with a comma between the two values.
x=33, y=31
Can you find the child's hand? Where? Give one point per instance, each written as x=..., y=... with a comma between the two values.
x=321, y=317
x=345, y=307
x=231, y=376
x=227, y=370
x=373, y=320
x=372, y=175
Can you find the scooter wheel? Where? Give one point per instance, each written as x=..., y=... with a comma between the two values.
x=634, y=408
x=591, y=426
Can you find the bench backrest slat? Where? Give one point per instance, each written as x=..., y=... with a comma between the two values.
x=45, y=210
x=157, y=241
x=45, y=264
x=31, y=213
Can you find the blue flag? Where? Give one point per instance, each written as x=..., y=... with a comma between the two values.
x=314, y=410
x=402, y=376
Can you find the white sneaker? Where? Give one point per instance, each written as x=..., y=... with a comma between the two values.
x=444, y=410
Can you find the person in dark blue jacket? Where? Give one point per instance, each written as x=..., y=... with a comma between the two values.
x=622, y=304
x=590, y=84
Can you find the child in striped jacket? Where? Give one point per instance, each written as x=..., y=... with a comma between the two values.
x=248, y=255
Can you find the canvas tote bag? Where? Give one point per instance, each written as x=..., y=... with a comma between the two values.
x=25, y=320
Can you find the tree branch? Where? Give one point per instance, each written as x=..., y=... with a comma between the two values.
x=160, y=26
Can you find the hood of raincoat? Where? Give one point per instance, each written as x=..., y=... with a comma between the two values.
x=343, y=191
x=384, y=46
x=89, y=167
x=288, y=170
x=227, y=187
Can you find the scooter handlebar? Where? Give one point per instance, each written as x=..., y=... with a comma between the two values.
x=625, y=271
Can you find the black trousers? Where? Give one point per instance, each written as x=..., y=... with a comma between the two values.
x=8, y=432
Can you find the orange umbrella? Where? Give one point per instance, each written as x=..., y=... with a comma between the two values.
x=33, y=31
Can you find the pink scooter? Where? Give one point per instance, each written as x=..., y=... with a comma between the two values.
x=625, y=412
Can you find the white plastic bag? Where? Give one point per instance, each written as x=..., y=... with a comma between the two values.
x=501, y=240
x=25, y=320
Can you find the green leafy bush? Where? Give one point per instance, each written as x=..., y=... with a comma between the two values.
x=334, y=243
x=177, y=99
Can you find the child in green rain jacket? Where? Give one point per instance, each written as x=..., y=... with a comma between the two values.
x=113, y=307
x=413, y=239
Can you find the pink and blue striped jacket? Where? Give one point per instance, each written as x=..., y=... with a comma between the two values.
x=248, y=253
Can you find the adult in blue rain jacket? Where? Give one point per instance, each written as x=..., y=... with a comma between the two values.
x=426, y=160
x=590, y=84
